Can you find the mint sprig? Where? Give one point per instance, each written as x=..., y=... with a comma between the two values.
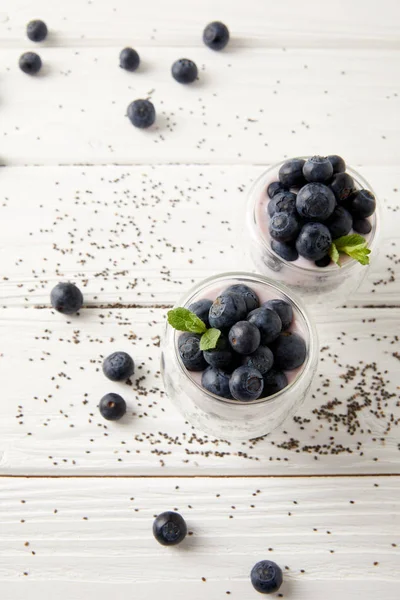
x=183, y=319
x=353, y=245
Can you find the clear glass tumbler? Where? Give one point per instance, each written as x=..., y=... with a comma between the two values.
x=329, y=285
x=234, y=419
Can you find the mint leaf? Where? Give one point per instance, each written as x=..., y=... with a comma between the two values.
x=209, y=339
x=334, y=254
x=360, y=254
x=347, y=241
x=354, y=245
x=184, y=320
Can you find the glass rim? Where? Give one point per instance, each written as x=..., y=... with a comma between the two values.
x=331, y=269
x=312, y=346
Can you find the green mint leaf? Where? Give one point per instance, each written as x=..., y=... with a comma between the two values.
x=183, y=319
x=360, y=254
x=334, y=254
x=209, y=339
x=348, y=241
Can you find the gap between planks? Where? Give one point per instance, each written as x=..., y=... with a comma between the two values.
x=311, y=476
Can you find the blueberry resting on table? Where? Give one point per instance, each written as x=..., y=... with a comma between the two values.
x=190, y=353
x=141, y=113
x=262, y=359
x=216, y=382
x=284, y=310
x=314, y=241
x=66, y=298
x=289, y=351
x=268, y=322
x=244, y=337
x=216, y=35
x=226, y=310
x=291, y=173
x=318, y=169
x=315, y=202
x=36, y=30
x=129, y=59
x=112, y=407
x=169, y=528
x=30, y=63
x=184, y=71
x=246, y=384
x=119, y=366
x=266, y=577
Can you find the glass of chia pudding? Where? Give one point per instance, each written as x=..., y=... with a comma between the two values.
x=296, y=248
x=262, y=366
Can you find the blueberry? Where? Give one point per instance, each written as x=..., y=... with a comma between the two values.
x=169, y=528
x=337, y=162
x=268, y=322
x=362, y=226
x=314, y=241
x=246, y=383
x=216, y=382
x=285, y=251
x=274, y=382
x=184, y=71
x=342, y=185
x=244, y=337
x=119, y=366
x=112, y=407
x=289, y=351
x=323, y=262
x=318, y=169
x=249, y=295
x=190, y=353
x=129, y=59
x=66, y=298
x=361, y=204
x=201, y=308
x=216, y=35
x=226, y=310
x=340, y=222
x=284, y=310
x=282, y=202
x=30, y=63
x=274, y=188
x=291, y=173
x=315, y=202
x=220, y=357
x=266, y=577
x=141, y=113
x=283, y=227
x=36, y=30
x=262, y=359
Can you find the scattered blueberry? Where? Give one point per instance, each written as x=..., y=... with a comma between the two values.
x=129, y=59
x=318, y=169
x=36, y=30
x=262, y=359
x=220, y=357
x=216, y=35
x=190, y=353
x=169, y=528
x=291, y=173
x=119, y=366
x=248, y=294
x=66, y=298
x=226, y=310
x=30, y=63
x=284, y=310
x=184, y=71
x=289, y=351
x=314, y=241
x=268, y=322
x=141, y=113
x=283, y=227
x=323, y=262
x=112, y=407
x=274, y=188
x=244, y=337
x=337, y=162
x=362, y=226
x=246, y=383
x=285, y=251
x=216, y=382
x=274, y=382
x=340, y=222
x=266, y=577
x=361, y=204
x=201, y=308
x=315, y=202
x=342, y=185
x=282, y=202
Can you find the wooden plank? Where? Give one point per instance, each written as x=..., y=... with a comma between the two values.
x=87, y=539
x=50, y=369
x=144, y=235
x=251, y=106
x=179, y=23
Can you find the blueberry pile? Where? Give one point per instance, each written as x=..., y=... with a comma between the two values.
x=255, y=348
x=314, y=203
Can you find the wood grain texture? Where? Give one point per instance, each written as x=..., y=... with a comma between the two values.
x=89, y=539
x=145, y=235
x=50, y=424
x=246, y=107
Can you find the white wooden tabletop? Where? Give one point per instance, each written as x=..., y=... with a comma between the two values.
x=135, y=218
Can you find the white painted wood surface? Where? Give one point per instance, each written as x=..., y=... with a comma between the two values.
x=135, y=218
